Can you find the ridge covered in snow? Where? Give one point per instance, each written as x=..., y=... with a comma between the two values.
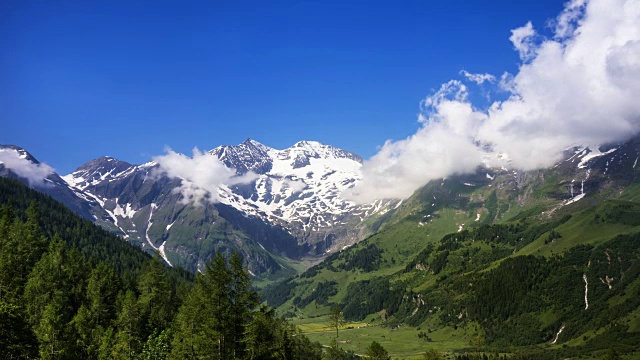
x=296, y=190
x=299, y=186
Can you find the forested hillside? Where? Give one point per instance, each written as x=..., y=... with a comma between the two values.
x=70, y=290
x=566, y=285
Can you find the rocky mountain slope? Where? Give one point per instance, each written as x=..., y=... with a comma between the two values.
x=299, y=188
x=17, y=163
x=290, y=212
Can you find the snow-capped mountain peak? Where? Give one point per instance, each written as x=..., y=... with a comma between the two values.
x=298, y=187
x=104, y=168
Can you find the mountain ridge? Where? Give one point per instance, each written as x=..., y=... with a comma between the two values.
x=291, y=212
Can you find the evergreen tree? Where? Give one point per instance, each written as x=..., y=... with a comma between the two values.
x=194, y=334
x=22, y=246
x=107, y=341
x=52, y=329
x=375, y=351
x=243, y=300
x=85, y=329
x=16, y=337
x=59, y=270
x=334, y=352
x=128, y=339
x=155, y=298
x=102, y=292
x=217, y=281
x=261, y=337
x=303, y=348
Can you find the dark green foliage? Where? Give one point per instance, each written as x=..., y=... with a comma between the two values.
x=62, y=299
x=553, y=235
x=270, y=337
x=53, y=218
x=320, y=294
x=370, y=296
x=16, y=337
x=277, y=294
x=375, y=351
x=156, y=295
x=367, y=259
x=620, y=212
x=22, y=245
x=516, y=234
x=243, y=299
x=506, y=299
x=157, y=347
x=509, y=289
x=439, y=262
x=421, y=259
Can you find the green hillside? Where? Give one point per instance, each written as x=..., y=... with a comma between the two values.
x=487, y=264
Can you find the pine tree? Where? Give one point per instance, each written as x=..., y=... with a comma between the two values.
x=16, y=337
x=107, y=341
x=217, y=281
x=194, y=334
x=52, y=329
x=102, y=291
x=22, y=246
x=243, y=300
x=59, y=270
x=375, y=351
x=128, y=339
x=85, y=328
x=261, y=337
x=155, y=298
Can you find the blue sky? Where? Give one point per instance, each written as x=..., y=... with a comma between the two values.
x=80, y=79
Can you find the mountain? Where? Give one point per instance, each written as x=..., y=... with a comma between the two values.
x=299, y=188
x=18, y=163
x=542, y=263
x=290, y=212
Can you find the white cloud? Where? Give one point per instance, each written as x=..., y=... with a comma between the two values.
x=478, y=78
x=579, y=86
x=522, y=39
x=566, y=23
x=34, y=173
x=202, y=175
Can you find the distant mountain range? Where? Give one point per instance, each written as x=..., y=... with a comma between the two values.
x=291, y=213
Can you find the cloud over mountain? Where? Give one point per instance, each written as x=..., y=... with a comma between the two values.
x=35, y=173
x=202, y=175
x=578, y=85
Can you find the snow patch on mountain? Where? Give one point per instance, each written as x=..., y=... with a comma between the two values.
x=591, y=152
x=300, y=187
